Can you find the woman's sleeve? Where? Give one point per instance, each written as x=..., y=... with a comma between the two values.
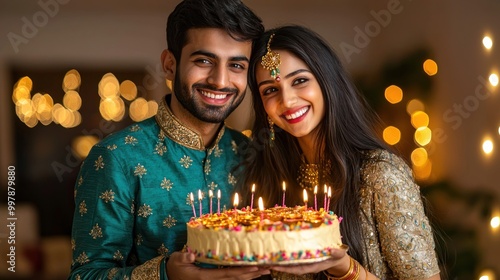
x=103, y=223
x=404, y=231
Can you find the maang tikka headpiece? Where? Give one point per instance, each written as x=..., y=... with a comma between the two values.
x=271, y=61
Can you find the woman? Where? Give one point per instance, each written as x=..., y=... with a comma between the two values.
x=313, y=128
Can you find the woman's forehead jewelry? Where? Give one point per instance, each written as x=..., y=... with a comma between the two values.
x=271, y=61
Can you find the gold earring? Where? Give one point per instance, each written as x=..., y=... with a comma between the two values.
x=271, y=61
x=271, y=129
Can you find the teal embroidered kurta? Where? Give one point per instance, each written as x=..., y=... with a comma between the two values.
x=132, y=196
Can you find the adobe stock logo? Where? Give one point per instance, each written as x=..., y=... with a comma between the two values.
x=31, y=26
x=372, y=29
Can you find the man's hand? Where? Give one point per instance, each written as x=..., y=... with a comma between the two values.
x=180, y=266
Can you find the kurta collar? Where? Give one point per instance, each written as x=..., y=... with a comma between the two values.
x=175, y=130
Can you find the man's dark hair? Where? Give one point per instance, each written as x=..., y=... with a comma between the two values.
x=236, y=18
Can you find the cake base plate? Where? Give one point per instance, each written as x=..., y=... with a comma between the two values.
x=260, y=263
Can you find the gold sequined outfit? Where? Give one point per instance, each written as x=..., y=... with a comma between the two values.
x=396, y=231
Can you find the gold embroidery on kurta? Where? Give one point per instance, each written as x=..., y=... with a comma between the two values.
x=135, y=128
x=163, y=250
x=212, y=186
x=108, y=196
x=111, y=147
x=166, y=184
x=82, y=208
x=234, y=147
x=160, y=149
x=218, y=151
x=144, y=211
x=99, y=163
x=112, y=273
x=118, y=256
x=207, y=168
x=231, y=179
x=96, y=232
x=130, y=140
x=138, y=239
x=186, y=161
x=169, y=221
x=140, y=170
x=82, y=258
x=73, y=244
x=149, y=270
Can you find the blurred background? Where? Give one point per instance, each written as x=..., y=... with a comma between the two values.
x=71, y=72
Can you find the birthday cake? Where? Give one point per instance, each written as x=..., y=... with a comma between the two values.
x=278, y=235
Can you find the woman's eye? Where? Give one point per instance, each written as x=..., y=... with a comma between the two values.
x=300, y=81
x=268, y=91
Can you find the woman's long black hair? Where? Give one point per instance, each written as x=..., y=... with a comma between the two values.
x=347, y=129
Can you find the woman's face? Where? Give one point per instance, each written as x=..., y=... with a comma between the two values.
x=295, y=103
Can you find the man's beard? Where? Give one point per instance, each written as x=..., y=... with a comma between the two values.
x=202, y=111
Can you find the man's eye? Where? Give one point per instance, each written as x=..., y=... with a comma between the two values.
x=203, y=61
x=238, y=66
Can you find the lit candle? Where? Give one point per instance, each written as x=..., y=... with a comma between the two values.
x=210, y=195
x=329, y=196
x=261, y=208
x=218, y=202
x=284, y=191
x=305, y=198
x=315, y=199
x=324, y=199
x=192, y=203
x=200, y=196
x=251, y=201
x=236, y=201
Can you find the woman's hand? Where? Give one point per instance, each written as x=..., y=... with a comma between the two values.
x=339, y=262
x=181, y=266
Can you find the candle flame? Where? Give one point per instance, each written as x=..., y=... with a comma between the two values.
x=329, y=192
x=284, y=186
x=316, y=189
x=236, y=200
x=200, y=196
x=210, y=193
x=218, y=194
x=191, y=197
x=253, y=188
x=326, y=190
x=305, y=195
x=261, y=204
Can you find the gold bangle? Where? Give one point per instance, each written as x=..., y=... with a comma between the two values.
x=352, y=272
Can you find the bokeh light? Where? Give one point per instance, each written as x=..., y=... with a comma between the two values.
x=493, y=78
x=430, y=67
x=128, y=90
x=487, y=146
x=423, y=136
x=487, y=42
x=391, y=135
x=393, y=94
x=419, y=157
x=419, y=119
x=414, y=105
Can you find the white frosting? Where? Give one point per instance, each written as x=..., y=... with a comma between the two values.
x=228, y=243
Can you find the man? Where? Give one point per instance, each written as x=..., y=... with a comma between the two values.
x=132, y=196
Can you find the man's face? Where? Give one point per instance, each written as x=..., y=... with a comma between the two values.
x=211, y=76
